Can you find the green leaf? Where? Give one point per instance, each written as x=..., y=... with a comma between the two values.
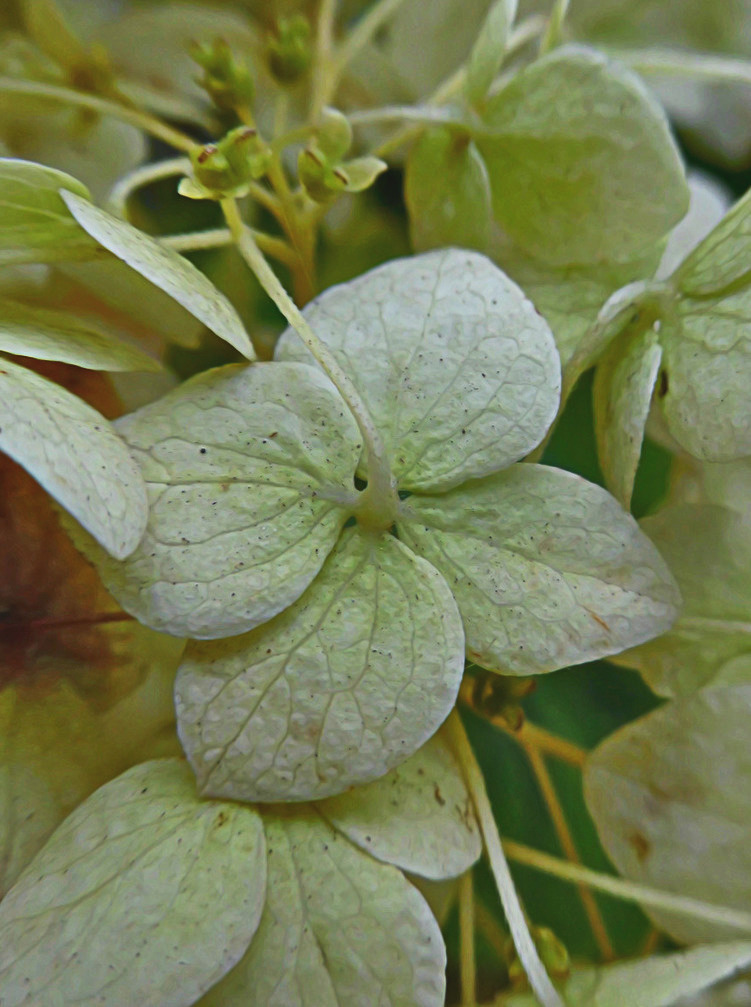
x=60, y=335
x=487, y=53
x=447, y=192
x=546, y=568
x=143, y=895
x=338, y=928
x=248, y=469
x=708, y=549
x=35, y=224
x=162, y=266
x=669, y=796
x=73, y=452
x=361, y=172
x=581, y=160
x=456, y=367
x=624, y=382
x=336, y=691
x=418, y=817
x=657, y=981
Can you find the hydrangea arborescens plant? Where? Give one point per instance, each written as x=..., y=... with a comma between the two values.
x=251, y=474
x=349, y=522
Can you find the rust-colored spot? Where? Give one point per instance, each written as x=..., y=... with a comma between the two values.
x=641, y=845
x=221, y=818
x=599, y=621
x=439, y=796
x=662, y=388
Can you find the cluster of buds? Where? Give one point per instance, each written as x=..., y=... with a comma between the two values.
x=228, y=83
x=290, y=50
x=323, y=172
x=227, y=168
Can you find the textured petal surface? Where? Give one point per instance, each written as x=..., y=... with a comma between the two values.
x=338, y=928
x=248, y=469
x=336, y=691
x=418, y=817
x=145, y=894
x=546, y=568
x=458, y=370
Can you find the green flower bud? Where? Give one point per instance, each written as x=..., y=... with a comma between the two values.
x=227, y=168
x=291, y=51
x=321, y=181
x=334, y=134
x=228, y=83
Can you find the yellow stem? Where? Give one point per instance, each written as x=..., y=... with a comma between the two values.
x=569, y=848
x=322, y=84
x=539, y=980
x=630, y=891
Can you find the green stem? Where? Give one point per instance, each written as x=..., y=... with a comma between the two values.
x=409, y=113
x=525, y=946
x=218, y=237
x=631, y=891
x=676, y=63
x=376, y=507
x=323, y=85
x=554, y=32
x=68, y=96
x=128, y=184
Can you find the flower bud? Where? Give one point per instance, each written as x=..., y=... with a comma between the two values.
x=228, y=83
x=290, y=52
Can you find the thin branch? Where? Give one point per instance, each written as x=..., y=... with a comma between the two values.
x=68, y=96
x=218, y=237
x=567, y=843
x=630, y=891
x=525, y=946
x=145, y=175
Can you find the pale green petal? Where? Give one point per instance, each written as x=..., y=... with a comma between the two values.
x=418, y=817
x=457, y=369
x=447, y=192
x=708, y=203
x=624, y=382
x=487, y=52
x=144, y=895
x=164, y=267
x=707, y=364
x=708, y=549
x=581, y=160
x=649, y=982
x=248, y=470
x=336, y=691
x=722, y=258
x=35, y=224
x=74, y=453
x=338, y=929
x=59, y=335
x=570, y=297
x=670, y=798
x=546, y=568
